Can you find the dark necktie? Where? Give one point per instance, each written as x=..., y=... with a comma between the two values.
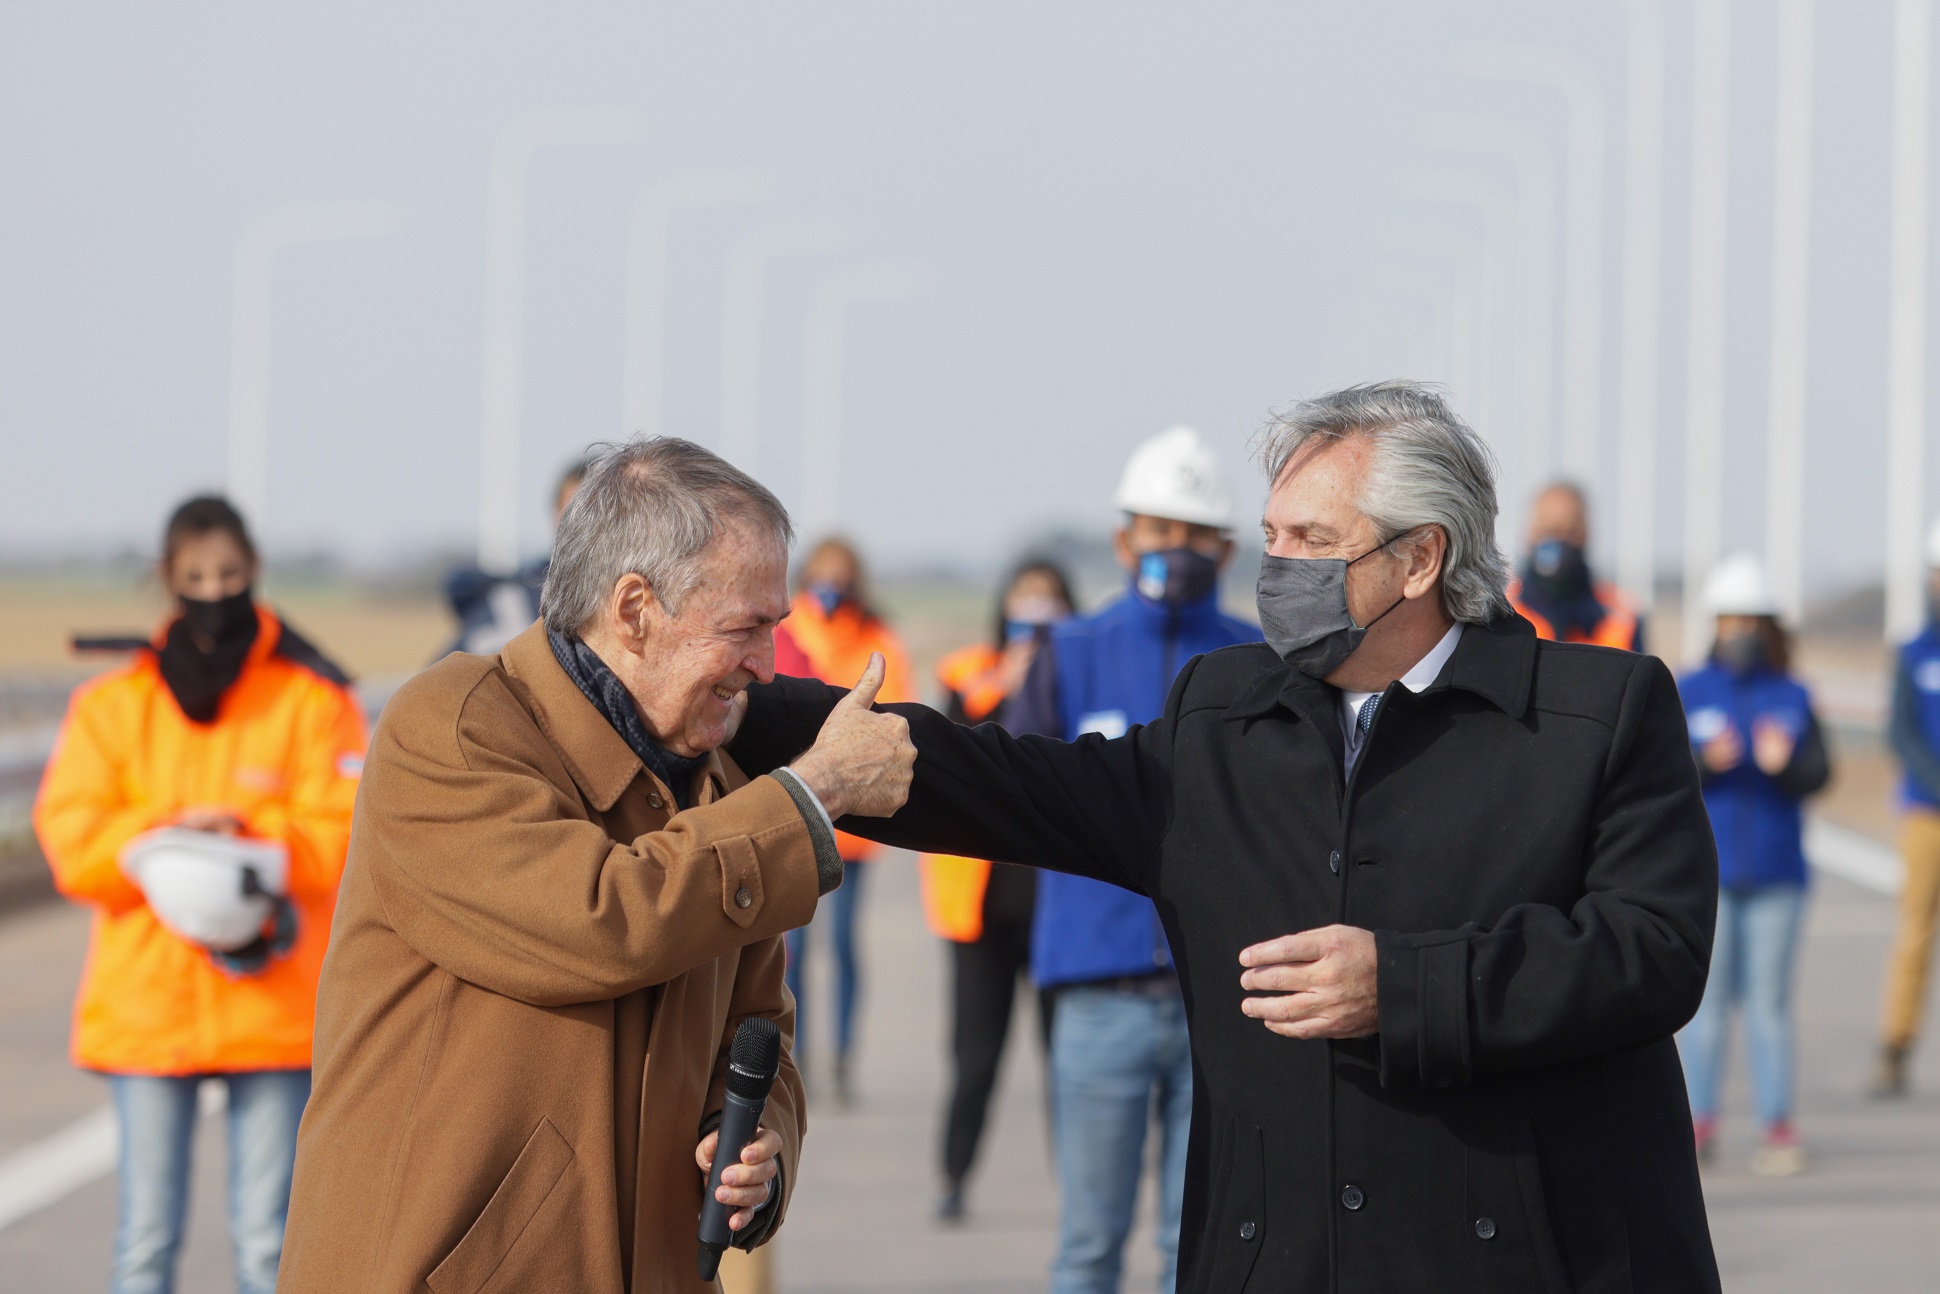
x=1364, y=718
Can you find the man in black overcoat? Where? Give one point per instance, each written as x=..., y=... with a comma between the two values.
x=1439, y=893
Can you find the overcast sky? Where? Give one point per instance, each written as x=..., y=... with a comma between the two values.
x=1131, y=215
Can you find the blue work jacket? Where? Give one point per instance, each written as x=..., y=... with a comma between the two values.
x=1916, y=718
x=1104, y=673
x=1755, y=816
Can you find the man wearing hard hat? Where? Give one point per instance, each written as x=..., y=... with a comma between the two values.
x=1916, y=740
x=1118, y=1034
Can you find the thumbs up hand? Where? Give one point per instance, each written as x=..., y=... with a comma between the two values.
x=862, y=762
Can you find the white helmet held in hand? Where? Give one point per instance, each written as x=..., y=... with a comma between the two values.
x=1174, y=476
x=212, y=890
x=1739, y=587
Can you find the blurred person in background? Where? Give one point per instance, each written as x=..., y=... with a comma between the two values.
x=1915, y=732
x=984, y=910
x=1119, y=1052
x=1555, y=590
x=1759, y=753
x=494, y=609
x=235, y=732
x=835, y=627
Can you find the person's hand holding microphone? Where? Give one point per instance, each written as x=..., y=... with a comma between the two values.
x=862, y=761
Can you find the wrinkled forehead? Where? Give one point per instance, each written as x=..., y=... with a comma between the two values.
x=743, y=576
x=1320, y=488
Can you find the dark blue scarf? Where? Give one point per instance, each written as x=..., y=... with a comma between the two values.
x=610, y=697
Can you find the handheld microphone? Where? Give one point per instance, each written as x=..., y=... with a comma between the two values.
x=753, y=1062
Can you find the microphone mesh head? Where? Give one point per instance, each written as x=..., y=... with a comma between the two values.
x=755, y=1058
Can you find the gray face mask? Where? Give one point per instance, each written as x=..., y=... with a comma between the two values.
x=1303, y=611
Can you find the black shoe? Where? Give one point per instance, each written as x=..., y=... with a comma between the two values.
x=844, y=1094
x=1889, y=1080
x=949, y=1209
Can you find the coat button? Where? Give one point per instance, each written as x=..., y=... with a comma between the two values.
x=1333, y=862
x=1247, y=1231
x=653, y=798
x=1352, y=1199
x=742, y=898
x=1485, y=1228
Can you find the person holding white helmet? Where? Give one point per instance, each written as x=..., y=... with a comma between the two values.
x=1759, y=753
x=1118, y=1033
x=199, y=802
x=1915, y=732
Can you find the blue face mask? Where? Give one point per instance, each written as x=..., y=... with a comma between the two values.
x=829, y=597
x=1175, y=577
x=1558, y=570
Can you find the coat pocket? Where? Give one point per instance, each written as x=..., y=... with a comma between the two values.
x=1236, y=1229
x=1507, y=1220
x=485, y=1247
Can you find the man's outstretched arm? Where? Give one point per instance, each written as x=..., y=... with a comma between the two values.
x=1091, y=807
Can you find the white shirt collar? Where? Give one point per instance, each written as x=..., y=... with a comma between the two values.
x=1425, y=672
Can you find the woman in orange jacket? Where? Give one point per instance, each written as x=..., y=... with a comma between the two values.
x=984, y=910
x=228, y=740
x=833, y=623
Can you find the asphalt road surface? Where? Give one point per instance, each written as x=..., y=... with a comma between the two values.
x=1865, y=1217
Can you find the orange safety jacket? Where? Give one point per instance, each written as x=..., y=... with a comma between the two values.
x=953, y=886
x=283, y=755
x=1618, y=627
x=838, y=648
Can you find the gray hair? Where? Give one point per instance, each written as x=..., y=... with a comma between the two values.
x=1428, y=468
x=650, y=508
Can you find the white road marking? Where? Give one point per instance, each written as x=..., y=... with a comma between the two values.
x=1841, y=851
x=47, y=1171
x=53, y=1168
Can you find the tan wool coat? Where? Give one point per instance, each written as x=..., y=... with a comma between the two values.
x=534, y=974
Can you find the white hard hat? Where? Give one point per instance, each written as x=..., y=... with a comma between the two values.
x=197, y=883
x=1173, y=475
x=1933, y=544
x=1739, y=587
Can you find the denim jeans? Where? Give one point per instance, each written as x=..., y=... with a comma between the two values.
x=157, y=1117
x=1752, y=958
x=844, y=903
x=1117, y=1058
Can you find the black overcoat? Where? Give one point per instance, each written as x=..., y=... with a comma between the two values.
x=1527, y=841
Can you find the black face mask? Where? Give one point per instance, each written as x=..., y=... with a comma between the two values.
x=1557, y=571
x=1304, y=615
x=1741, y=653
x=204, y=652
x=1175, y=577
x=223, y=619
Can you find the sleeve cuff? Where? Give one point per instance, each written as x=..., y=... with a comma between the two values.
x=1423, y=995
x=821, y=829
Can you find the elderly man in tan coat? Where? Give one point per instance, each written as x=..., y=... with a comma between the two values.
x=560, y=903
